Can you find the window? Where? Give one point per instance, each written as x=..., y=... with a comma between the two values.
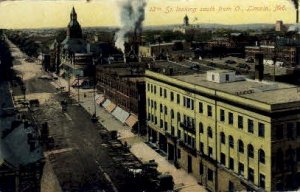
x=241, y=168
x=192, y=104
x=154, y=89
x=231, y=163
x=161, y=108
x=201, y=169
x=231, y=142
x=178, y=99
x=250, y=126
x=261, y=130
x=160, y=91
x=155, y=106
x=290, y=131
x=178, y=116
x=166, y=110
x=227, y=77
x=222, y=137
x=210, y=152
x=209, y=110
x=201, y=147
x=210, y=174
x=155, y=120
x=166, y=125
x=261, y=154
x=161, y=124
x=201, y=127
x=213, y=77
x=250, y=174
x=172, y=96
x=241, y=146
x=262, y=181
x=148, y=100
x=230, y=187
x=240, y=122
x=209, y=132
x=250, y=151
x=200, y=107
x=172, y=130
x=149, y=115
x=172, y=114
x=222, y=115
x=230, y=118
x=151, y=88
x=148, y=87
x=223, y=159
x=165, y=93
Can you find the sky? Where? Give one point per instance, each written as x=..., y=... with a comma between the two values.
x=55, y=13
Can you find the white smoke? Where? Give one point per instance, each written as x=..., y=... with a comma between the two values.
x=132, y=15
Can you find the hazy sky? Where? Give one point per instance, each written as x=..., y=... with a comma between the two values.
x=39, y=13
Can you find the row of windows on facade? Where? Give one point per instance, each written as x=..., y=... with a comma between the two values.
x=261, y=126
x=210, y=175
x=191, y=141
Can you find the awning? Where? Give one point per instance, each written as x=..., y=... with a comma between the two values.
x=100, y=99
x=111, y=107
x=132, y=120
x=106, y=103
x=77, y=82
x=120, y=114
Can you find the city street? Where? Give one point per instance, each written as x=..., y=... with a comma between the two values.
x=80, y=156
x=79, y=160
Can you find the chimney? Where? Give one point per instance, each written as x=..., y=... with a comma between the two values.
x=259, y=66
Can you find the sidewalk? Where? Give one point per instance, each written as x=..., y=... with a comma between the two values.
x=182, y=180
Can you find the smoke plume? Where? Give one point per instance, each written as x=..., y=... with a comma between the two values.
x=132, y=13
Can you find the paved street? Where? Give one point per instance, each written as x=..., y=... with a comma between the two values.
x=183, y=181
x=80, y=160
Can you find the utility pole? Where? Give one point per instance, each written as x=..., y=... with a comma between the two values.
x=78, y=89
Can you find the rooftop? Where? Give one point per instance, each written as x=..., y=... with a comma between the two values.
x=252, y=89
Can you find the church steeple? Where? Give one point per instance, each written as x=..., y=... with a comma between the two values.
x=73, y=15
x=186, y=21
x=74, y=28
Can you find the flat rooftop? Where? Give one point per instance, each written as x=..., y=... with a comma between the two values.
x=266, y=92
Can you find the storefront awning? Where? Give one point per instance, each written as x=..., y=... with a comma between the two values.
x=106, y=103
x=111, y=107
x=131, y=120
x=99, y=99
x=120, y=114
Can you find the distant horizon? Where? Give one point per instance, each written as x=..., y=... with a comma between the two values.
x=148, y=26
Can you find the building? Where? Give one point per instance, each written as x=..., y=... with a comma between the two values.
x=124, y=86
x=230, y=132
x=279, y=27
x=287, y=55
x=165, y=50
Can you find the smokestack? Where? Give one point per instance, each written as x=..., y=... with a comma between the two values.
x=132, y=13
x=259, y=66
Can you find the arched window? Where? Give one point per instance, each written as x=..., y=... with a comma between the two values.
x=250, y=151
x=201, y=127
x=222, y=137
x=241, y=146
x=209, y=132
x=261, y=155
x=231, y=142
